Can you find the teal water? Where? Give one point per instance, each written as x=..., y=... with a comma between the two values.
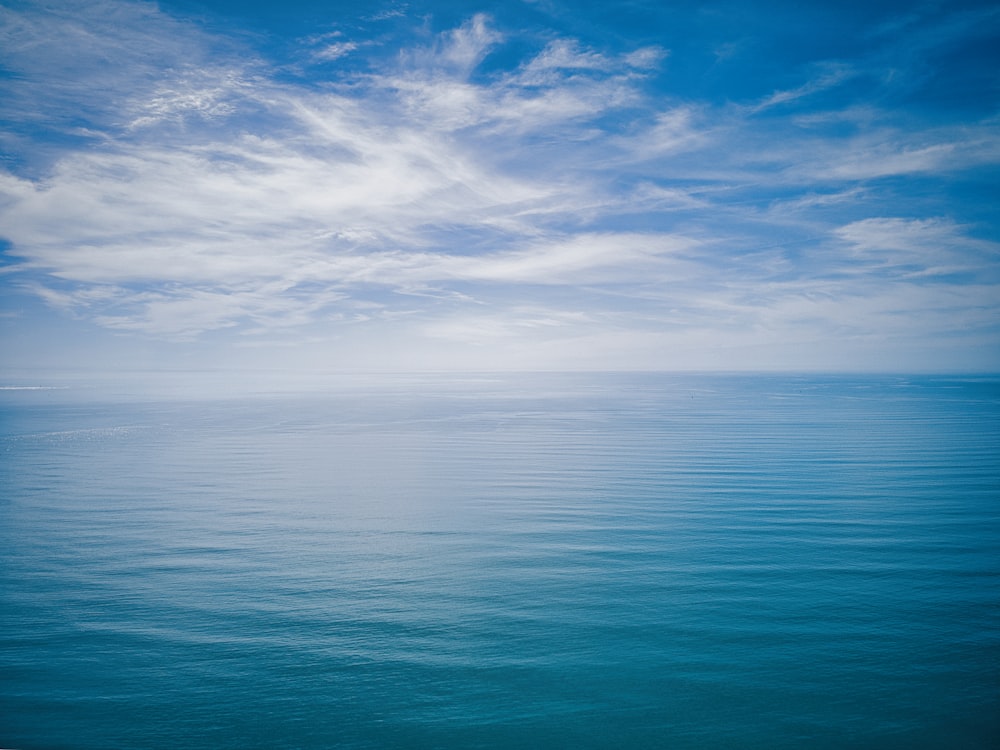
x=600, y=561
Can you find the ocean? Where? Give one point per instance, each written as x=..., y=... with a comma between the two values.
x=504, y=561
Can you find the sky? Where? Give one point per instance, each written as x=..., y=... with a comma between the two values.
x=314, y=185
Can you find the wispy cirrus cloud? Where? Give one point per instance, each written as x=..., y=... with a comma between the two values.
x=832, y=76
x=561, y=197
x=921, y=248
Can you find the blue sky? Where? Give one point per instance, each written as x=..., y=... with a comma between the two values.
x=543, y=184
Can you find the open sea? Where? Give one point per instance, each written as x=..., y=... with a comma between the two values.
x=504, y=561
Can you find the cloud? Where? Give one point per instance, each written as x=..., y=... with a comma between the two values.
x=555, y=197
x=561, y=84
x=334, y=51
x=647, y=58
x=456, y=52
x=583, y=258
x=890, y=157
x=842, y=147
x=74, y=63
x=558, y=59
x=513, y=325
x=672, y=130
x=833, y=76
x=920, y=248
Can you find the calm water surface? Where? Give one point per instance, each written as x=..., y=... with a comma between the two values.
x=505, y=562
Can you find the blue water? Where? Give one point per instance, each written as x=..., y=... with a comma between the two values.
x=598, y=561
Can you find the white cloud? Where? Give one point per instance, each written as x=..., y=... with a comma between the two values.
x=552, y=207
x=646, y=58
x=489, y=329
x=202, y=92
x=833, y=76
x=882, y=162
x=458, y=51
x=84, y=61
x=561, y=84
x=897, y=235
x=612, y=257
x=334, y=51
x=920, y=248
x=559, y=58
x=673, y=130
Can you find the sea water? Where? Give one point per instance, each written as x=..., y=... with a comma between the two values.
x=504, y=561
